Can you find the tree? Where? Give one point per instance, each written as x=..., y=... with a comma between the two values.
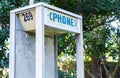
x=4, y=34
x=5, y=7
x=97, y=14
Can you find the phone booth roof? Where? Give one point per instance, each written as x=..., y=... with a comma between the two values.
x=55, y=20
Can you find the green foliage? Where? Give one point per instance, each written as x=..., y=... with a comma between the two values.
x=66, y=43
x=114, y=42
x=5, y=7
x=97, y=16
x=95, y=12
x=67, y=66
x=62, y=74
x=4, y=34
x=96, y=41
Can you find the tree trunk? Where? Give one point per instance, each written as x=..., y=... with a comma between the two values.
x=96, y=68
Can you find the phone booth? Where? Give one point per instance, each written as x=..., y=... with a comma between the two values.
x=33, y=45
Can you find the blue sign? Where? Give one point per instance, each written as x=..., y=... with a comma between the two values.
x=63, y=19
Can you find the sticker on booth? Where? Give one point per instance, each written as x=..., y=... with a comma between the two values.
x=27, y=19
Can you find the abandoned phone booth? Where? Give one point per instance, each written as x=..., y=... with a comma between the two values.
x=33, y=31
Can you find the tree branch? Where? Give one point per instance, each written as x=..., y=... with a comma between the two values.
x=95, y=26
x=89, y=72
x=103, y=22
x=68, y=42
x=116, y=67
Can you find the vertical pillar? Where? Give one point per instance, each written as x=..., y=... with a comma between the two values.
x=49, y=58
x=39, y=43
x=80, y=58
x=12, y=46
x=55, y=56
x=79, y=52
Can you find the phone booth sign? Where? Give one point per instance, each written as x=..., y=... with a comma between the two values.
x=33, y=31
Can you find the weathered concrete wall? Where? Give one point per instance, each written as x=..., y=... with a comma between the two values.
x=49, y=58
x=25, y=55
